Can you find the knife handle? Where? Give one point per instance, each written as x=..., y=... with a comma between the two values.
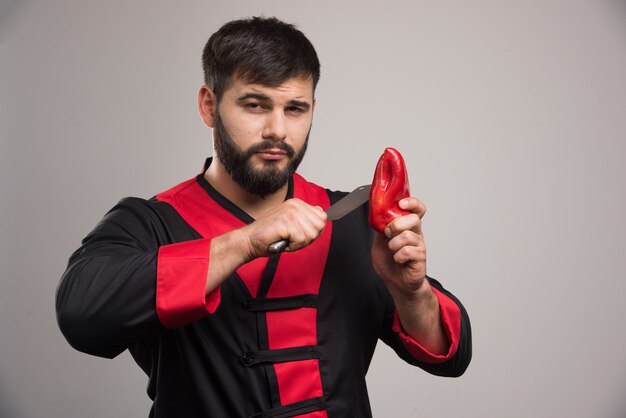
x=278, y=246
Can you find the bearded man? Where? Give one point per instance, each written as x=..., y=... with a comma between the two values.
x=185, y=280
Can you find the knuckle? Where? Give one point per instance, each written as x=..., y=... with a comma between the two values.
x=406, y=236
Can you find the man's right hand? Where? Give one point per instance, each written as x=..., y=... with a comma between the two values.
x=293, y=220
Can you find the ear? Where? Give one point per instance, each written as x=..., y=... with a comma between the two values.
x=207, y=105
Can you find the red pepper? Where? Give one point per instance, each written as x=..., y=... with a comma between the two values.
x=390, y=185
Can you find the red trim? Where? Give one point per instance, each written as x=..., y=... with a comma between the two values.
x=298, y=380
x=199, y=210
x=181, y=279
x=292, y=328
x=451, y=319
x=316, y=414
x=299, y=273
x=252, y=273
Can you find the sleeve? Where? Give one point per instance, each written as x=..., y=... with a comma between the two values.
x=181, y=279
x=121, y=285
x=456, y=327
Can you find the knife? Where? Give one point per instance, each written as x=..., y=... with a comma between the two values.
x=341, y=208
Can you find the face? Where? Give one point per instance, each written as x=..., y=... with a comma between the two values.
x=261, y=133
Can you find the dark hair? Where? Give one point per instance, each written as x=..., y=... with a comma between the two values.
x=258, y=50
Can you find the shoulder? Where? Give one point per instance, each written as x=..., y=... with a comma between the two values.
x=141, y=214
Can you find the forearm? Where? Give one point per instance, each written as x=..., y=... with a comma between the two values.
x=103, y=302
x=293, y=220
x=228, y=252
x=420, y=318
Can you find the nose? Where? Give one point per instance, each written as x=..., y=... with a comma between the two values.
x=275, y=126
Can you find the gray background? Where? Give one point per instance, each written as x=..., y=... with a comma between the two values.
x=510, y=114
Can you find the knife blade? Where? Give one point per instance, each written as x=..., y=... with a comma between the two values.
x=341, y=208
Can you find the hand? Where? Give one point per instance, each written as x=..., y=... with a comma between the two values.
x=293, y=220
x=399, y=256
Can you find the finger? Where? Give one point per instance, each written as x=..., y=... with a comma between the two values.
x=297, y=211
x=404, y=239
x=410, y=255
x=305, y=223
x=411, y=222
x=314, y=214
x=414, y=205
x=312, y=221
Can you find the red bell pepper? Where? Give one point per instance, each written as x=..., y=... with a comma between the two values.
x=390, y=185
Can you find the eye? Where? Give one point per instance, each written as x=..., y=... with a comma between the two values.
x=254, y=107
x=295, y=110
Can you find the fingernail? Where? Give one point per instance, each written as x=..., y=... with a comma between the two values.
x=388, y=232
x=403, y=204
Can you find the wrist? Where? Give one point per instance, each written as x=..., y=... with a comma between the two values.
x=419, y=294
x=232, y=248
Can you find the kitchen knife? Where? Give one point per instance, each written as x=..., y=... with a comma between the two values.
x=345, y=205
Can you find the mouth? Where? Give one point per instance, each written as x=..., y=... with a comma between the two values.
x=272, y=154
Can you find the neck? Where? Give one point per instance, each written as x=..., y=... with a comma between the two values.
x=254, y=205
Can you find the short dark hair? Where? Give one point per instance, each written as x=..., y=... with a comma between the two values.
x=258, y=50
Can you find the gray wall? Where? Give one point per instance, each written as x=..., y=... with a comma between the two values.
x=511, y=115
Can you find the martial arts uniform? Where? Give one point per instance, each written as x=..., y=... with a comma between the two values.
x=289, y=335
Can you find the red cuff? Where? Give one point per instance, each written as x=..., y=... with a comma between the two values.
x=181, y=283
x=451, y=319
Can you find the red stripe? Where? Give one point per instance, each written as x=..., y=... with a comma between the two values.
x=299, y=273
x=316, y=414
x=298, y=380
x=292, y=328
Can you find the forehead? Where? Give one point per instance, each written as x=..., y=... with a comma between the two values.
x=295, y=88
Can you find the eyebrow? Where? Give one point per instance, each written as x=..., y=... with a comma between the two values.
x=264, y=98
x=299, y=103
x=257, y=96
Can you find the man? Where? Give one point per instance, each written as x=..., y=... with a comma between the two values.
x=185, y=281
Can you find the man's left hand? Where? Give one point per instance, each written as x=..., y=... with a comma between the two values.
x=399, y=256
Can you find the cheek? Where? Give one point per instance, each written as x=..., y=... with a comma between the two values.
x=243, y=129
x=301, y=130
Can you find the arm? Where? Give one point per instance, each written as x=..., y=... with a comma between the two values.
x=128, y=281
x=428, y=320
x=105, y=298
x=399, y=258
x=294, y=220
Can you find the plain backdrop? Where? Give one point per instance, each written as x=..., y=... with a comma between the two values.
x=511, y=116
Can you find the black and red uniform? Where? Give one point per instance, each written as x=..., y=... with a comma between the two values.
x=289, y=335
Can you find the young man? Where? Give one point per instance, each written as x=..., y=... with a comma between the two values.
x=185, y=281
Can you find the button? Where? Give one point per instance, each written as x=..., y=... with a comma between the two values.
x=246, y=358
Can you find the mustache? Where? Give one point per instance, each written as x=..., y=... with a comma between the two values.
x=267, y=144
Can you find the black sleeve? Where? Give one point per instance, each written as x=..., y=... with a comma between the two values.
x=454, y=366
x=106, y=297
x=359, y=244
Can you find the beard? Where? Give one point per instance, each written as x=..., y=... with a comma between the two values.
x=262, y=181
